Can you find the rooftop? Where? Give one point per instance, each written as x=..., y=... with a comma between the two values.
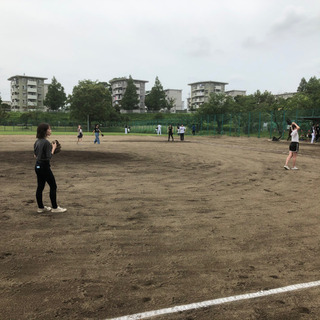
x=201, y=82
x=24, y=76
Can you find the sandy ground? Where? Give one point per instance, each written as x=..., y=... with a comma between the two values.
x=152, y=225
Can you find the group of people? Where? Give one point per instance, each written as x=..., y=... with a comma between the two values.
x=180, y=130
x=97, y=132
x=44, y=150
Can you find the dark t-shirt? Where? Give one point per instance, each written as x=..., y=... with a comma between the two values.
x=43, y=149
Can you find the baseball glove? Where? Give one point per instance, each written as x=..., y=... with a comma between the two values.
x=289, y=122
x=102, y=134
x=58, y=148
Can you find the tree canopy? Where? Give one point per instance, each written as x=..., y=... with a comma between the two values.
x=156, y=99
x=130, y=99
x=55, y=98
x=91, y=99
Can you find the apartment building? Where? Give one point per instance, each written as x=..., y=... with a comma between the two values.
x=234, y=93
x=119, y=85
x=200, y=92
x=176, y=95
x=285, y=95
x=27, y=93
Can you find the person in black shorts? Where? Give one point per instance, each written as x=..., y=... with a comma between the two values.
x=80, y=133
x=43, y=151
x=294, y=147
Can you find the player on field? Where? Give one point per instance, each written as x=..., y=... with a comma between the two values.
x=43, y=151
x=294, y=147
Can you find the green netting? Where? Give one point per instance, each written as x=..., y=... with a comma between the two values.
x=255, y=124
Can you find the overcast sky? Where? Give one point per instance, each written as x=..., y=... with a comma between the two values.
x=250, y=44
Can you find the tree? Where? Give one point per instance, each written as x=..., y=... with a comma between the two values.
x=130, y=99
x=303, y=85
x=313, y=91
x=156, y=99
x=55, y=98
x=308, y=95
x=91, y=99
x=4, y=109
x=218, y=104
x=245, y=103
x=171, y=103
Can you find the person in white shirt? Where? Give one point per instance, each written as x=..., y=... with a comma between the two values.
x=313, y=134
x=159, y=129
x=294, y=147
x=80, y=134
x=182, y=130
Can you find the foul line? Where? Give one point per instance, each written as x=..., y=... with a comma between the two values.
x=209, y=303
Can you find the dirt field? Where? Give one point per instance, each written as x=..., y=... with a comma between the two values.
x=152, y=225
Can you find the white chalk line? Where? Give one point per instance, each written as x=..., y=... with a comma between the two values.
x=209, y=303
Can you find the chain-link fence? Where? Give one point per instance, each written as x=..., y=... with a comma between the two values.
x=256, y=124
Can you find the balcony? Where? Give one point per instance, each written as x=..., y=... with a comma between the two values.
x=32, y=83
x=32, y=89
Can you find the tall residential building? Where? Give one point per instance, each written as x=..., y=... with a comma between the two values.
x=200, y=92
x=176, y=95
x=119, y=85
x=27, y=93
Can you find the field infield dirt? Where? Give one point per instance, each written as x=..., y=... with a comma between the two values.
x=153, y=224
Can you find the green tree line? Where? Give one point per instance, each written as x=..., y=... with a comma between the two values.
x=91, y=101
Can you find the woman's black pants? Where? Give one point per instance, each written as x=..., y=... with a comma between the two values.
x=44, y=174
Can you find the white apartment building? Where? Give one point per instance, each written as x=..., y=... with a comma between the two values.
x=234, y=93
x=285, y=95
x=119, y=85
x=176, y=95
x=200, y=92
x=27, y=93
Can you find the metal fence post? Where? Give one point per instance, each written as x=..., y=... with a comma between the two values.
x=271, y=117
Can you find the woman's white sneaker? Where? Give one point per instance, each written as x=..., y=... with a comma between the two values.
x=294, y=168
x=44, y=209
x=59, y=209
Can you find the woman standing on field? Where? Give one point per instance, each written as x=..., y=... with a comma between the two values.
x=80, y=133
x=294, y=147
x=43, y=151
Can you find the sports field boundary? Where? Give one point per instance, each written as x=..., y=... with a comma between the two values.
x=209, y=303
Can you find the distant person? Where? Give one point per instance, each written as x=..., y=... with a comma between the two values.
x=182, y=130
x=125, y=129
x=97, y=132
x=178, y=129
x=80, y=134
x=294, y=147
x=43, y=151
x=193, y=130
x=317, y=132
x=170, y=132
x=313, y=134
x=159, y=129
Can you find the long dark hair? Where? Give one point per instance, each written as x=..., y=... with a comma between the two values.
x=42, y=130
